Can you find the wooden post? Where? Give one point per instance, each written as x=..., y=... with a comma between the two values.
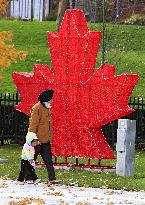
x=65, y=160
x=89, y=162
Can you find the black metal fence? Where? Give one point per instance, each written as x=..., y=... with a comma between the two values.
x=14, y=124
x=138, y=104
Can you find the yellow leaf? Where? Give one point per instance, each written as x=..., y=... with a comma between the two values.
x=8, y=54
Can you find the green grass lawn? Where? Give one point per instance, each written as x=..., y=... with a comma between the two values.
x=125, y=47
x=10, y=170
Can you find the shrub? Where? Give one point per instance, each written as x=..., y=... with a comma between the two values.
x=52, y=16
x=136, y=20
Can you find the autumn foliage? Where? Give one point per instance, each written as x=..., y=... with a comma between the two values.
x=3, y=6
x=8, y=54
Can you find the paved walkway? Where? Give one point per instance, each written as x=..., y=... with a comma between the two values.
x=11, y=193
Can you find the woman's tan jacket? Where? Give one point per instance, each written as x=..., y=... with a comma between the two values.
x=40, y=122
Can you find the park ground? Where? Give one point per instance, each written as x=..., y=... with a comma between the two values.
x=11, y=193
x=126, y=49
x=77, y=177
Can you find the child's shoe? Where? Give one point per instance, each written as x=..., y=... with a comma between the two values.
x=36, y=181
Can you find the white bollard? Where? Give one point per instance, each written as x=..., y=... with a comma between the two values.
x=125, y=147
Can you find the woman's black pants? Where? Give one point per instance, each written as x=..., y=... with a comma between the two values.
x=44, y=149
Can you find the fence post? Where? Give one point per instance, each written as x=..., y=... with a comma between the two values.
x=125, y=148
x=17, y=98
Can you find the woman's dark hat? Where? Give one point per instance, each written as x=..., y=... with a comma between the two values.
x=46, y=95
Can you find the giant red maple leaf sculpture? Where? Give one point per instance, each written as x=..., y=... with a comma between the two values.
x=84, y=100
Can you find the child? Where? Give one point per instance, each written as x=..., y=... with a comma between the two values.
x=27, y=159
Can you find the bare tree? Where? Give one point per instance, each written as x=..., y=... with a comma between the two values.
x=63, y=5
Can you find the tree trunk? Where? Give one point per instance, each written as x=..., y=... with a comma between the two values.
x=72, y=4
x=63, y=5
